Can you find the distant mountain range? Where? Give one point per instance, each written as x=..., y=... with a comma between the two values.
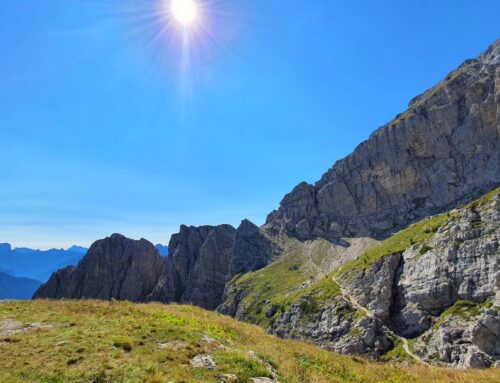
x=37, y=264
x=17, y=287
x=162, y=249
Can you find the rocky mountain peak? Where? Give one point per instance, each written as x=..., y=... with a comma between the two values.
x=492, y=55
x=443, y=150
x=114, y=267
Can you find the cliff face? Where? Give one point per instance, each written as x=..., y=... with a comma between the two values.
x=201, y=260
x=458, y=266
x=115, y=267
x=436, y=282
x=444, y=149
x=197, y=267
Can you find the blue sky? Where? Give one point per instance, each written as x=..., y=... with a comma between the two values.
x=110, y=121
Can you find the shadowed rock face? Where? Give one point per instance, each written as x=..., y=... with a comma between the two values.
x=253, y=249
x=201, y=261
x=114, y=267
x=198, y=266
x=445, y=148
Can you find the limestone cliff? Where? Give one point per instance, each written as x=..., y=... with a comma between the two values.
x=443, y=150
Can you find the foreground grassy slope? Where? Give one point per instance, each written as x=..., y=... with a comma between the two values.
x=90, y=341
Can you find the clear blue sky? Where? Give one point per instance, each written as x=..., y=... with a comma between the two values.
x=108, y=123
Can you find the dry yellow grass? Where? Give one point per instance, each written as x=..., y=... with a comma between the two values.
x=91, y=341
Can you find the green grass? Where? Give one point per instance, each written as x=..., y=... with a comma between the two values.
x=483, y=200
x=465, y=309
x=92, y=341
x=398, y=354
x=278, y=284
x=417, y=233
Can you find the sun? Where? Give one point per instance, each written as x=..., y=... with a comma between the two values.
x=184, y=11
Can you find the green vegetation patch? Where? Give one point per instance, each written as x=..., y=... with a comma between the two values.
x=241, y=364
x=418, y=233
x=398, y=354
x=465, y=309
x=88, y=342
x=280, y=284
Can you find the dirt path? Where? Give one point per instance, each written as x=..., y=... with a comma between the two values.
x=353, y=301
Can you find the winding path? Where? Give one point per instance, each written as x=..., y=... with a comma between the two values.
x=350, y=298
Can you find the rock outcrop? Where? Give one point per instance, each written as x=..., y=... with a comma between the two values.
x=201, y=260
x=337, y=326
x=197, y=267
x=253, y=249
x=464, y=338
x=114, y=268
x=460, y=262
x=443, y=150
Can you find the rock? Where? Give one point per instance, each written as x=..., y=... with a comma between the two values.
x=463, y=340
x=115, y=267
x=120, y=268
x=213, y=342
x=203, y=361
x=11, y=327
x=229, y=378
x=197, y=267
x=373, y=287
x=443, y=150
x=272, y=310
x=253, y=249
x=263, y=380
x=335, y=326
x=455, y=269
x=486, y=333
x=174, y=345
x=475, y=359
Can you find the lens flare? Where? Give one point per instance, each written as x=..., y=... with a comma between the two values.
x=184, y=11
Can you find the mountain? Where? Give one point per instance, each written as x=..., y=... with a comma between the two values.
x=200, y=261
x=442, y=151
x=393, y=254
x=37, y=264
x=162, y=249
x=429, y=292
x=78, y=249
x=17, y=288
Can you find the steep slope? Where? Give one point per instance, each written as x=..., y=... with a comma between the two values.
x=443, y=150
x=17, y=288
x=197, y=267
x=115, y=267
x=407, y=286
x=89, y=341
x=201, y=260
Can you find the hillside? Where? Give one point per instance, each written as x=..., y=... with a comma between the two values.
x=90, y=341
x=17, y=287
x=434, y=282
